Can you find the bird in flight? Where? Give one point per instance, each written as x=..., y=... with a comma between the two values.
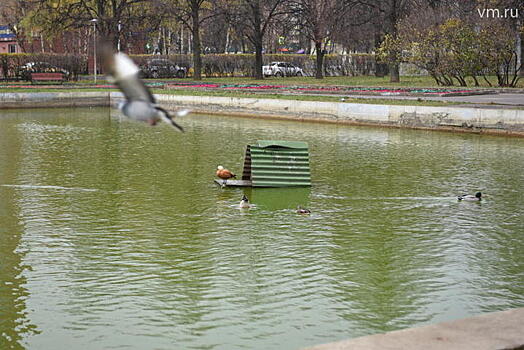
x=140, y=104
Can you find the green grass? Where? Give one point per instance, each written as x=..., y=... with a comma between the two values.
x=365, y=81
x=13, y=89
x=360, y=81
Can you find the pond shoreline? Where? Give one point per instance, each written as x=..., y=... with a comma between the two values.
x=496, y=330
x=477, y=120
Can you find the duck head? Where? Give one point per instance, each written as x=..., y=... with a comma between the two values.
x=220, y=167
x=301, y=210
x=478, y=195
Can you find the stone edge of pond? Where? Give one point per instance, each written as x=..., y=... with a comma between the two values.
x=492, y=121
x=9, y=100
x=497, y=330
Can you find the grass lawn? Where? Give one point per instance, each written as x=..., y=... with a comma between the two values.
x=362, y=81
x=50, y=89
x=367, y=81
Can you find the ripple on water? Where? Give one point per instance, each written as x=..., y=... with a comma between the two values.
x=119, y=239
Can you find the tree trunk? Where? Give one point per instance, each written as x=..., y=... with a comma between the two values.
x=258, y=41
x=320, y=60
x=520, y=48
x=169, y=42
x=475, y=80
x=197, y=58
x=394, y=73
x=258, y=60
x=381, y=69
x=226, y=46
x=182, y=40
x=486, y=79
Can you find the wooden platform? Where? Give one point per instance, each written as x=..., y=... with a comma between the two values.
x=234, y=183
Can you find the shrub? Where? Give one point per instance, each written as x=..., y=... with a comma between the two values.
x=455, y=49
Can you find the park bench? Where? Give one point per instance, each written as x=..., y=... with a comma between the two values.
x=47, y=77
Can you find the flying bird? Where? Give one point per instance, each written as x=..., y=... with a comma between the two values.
x=140, y=104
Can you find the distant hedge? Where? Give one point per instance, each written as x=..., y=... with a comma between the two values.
x=10, y=63
x=223, y=65
x=213, y=65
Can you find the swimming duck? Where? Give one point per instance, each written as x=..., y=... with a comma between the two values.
x=224, y=174
x=469, y=197
x=301, y=210
x=244, y=203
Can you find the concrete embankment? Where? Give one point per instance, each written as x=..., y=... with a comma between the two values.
x=475, y=120
x=493, y=331
x=502, y=121
x=54, y=99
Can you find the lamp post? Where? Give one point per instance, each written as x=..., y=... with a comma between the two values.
x=94, y=20
x=119, y=30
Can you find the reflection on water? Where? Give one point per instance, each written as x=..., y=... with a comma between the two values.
x=113, y=234
x=14, y=321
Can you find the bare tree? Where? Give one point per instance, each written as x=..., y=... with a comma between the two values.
x=193, y=13
x=217, y=35
x=321, y=20
x=55, y=17
x=253, y=18
x=390, y=13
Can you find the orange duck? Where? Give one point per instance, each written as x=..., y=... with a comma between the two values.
x=224, y=174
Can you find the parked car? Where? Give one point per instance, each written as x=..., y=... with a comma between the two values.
x=24, y=71
x=282, y=69
x=162, y=68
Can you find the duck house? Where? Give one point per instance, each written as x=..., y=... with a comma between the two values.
x=274, y=164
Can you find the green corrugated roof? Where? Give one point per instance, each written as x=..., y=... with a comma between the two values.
x=278, y=164
x=276, y=143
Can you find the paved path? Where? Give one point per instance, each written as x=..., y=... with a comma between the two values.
x=501, y=99
x=493, y=331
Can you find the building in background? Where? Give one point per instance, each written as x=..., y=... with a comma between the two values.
x=8, y=43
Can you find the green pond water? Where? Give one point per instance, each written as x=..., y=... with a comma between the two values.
x=114, y=236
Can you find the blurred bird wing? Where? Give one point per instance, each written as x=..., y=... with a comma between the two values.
x=166, y=117
x=125, y=74
x=134, y=89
